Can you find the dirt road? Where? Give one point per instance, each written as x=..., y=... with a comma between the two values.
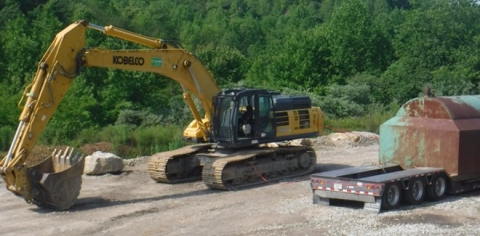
x=132, y=204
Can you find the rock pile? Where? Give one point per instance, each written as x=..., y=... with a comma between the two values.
x=353, y=139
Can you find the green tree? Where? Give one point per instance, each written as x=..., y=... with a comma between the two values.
x=356, y=43
x=436, y=44
x=302, y=63
x=227, y=65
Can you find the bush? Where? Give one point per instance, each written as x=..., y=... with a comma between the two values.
x=370, y=122
x=351, y=100
x=131, y=142
x=150, y=140
x=6, y=137
x=119, y=136
x=89, y=135
x=138, y=118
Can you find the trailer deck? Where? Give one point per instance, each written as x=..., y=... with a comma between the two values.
x=367, y=183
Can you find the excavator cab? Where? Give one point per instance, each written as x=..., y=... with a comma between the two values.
x=242, y=117
x=246, y=117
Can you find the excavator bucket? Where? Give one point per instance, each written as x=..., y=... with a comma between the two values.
x=58, y=179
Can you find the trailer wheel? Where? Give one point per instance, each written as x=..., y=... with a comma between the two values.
x=391, y=196
x=416, y=191
x=438, y=188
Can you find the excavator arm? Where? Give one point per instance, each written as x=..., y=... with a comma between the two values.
x=164, y=59
x=57, y=180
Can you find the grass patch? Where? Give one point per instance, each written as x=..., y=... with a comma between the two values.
x=131, y=142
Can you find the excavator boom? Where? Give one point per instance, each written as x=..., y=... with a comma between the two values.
x=57, y=180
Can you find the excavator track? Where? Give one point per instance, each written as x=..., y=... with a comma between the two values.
x=180, y=165
x=251, y=167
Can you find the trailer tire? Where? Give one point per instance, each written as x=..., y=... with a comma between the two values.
x=416, y=191
x=436, y=191
x=391, y=196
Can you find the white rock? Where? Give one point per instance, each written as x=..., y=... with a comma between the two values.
x=301, y=142
x=367, y=135
x=349, y=137
x=101, y=163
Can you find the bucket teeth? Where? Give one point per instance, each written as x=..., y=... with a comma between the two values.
x=64, y=159
x=58, y=179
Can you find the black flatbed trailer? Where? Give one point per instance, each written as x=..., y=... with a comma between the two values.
x=379, y=186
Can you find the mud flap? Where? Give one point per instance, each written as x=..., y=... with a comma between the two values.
x=373, y=207
x=320, y=200
x=58, y=179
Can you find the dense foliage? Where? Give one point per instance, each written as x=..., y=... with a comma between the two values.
x=353, y=57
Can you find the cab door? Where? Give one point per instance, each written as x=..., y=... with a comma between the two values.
x=265, y=117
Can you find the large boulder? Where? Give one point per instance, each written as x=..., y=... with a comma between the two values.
x=101, y=163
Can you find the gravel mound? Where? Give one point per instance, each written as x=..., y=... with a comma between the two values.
x=348, y=139
x=137, y=160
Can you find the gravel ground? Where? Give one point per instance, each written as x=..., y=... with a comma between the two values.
x=132, y=204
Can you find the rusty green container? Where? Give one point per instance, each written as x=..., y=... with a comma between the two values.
x=439, y=132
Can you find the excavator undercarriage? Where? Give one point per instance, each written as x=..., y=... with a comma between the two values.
x=231, y=168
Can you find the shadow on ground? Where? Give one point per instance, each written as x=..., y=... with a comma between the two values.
x=89, y=203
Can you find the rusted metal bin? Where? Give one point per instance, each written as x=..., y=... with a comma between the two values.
x=441, y=132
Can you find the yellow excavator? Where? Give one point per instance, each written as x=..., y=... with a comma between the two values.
x=236, y=126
